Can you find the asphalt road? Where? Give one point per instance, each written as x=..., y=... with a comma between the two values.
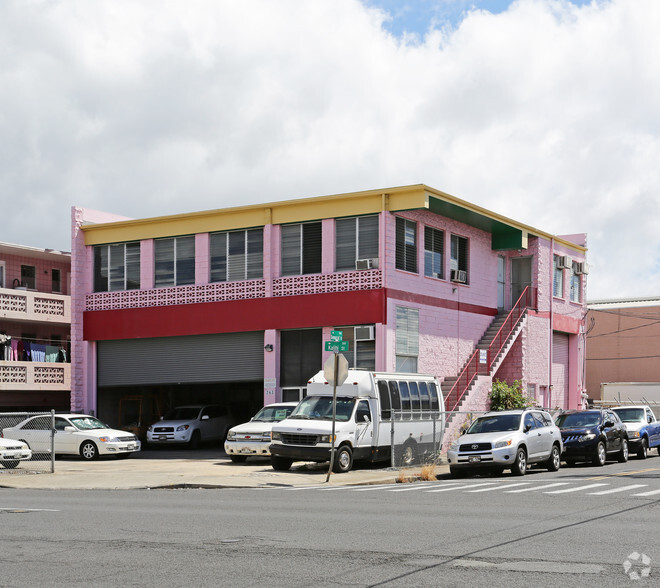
x=577, y=526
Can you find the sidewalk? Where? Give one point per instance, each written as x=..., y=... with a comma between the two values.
x=206, y=468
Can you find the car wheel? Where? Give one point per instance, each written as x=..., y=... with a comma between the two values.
x=623, y=454
x=555, y=459
x=280, y=464
x=10, y=464
x=643, y=451
x=520, y=465
x=88, y=451
x=194, y=440
x=600, y=457
x=238, y=458
x=343, y=460
x=408, y=455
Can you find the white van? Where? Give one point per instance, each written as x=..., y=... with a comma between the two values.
x=375, y=412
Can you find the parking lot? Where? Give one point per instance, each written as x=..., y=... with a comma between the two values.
x=160, y=468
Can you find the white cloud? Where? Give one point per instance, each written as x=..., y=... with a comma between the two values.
x=547, y=113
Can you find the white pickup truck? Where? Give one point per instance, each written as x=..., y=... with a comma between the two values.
x=643, y=428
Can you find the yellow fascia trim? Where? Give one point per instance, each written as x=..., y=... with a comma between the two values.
x=257, y=215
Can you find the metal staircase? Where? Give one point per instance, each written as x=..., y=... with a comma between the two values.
x=493, y=346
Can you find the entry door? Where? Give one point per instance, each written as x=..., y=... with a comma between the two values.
x=364, y=429
x=521, y=276
x=501, y=282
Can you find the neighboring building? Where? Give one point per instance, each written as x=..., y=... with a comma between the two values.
x=624, y=342
x=35, y=323
x=234, y=305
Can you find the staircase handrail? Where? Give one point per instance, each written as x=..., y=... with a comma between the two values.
x=525, y=300
x=471, y=369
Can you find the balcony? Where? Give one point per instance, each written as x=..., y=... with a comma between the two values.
x=34, y=375
x=36, y=307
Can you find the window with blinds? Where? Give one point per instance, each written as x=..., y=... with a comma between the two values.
x=434, y=245
x=117, y=267
x=301, y=249
x=236, y=255
x=174, y=261
x=558, y=279
x=458, y=260
x=361, y=353
x=407, y=339
x=355, y=238
x=575, y=284
x=406, y=245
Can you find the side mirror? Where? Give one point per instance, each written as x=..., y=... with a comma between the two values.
x=649, y=420
x=609, y=424
x=205, y=417
x=70, y=429
x=527, y=428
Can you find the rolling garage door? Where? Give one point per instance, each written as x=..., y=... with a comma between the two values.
x=223, y=357
x=559, y=370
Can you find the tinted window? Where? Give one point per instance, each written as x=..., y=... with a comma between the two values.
x=414, y=396
x=540, y=421
x=394, y=395
x=424, y=396
x=405, y=396
x=529, y=421
x=362, y=414
x=433, y=391
x=38, y=424
x=384, y=393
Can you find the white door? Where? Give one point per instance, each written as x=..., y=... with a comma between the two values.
x=559, y=371
x=364, y=429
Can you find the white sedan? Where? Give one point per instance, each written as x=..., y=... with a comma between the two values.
x=12, y=452
x=75, y=434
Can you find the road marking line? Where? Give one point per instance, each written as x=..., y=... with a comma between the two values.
x=615, y=490
x=575, y=489
x=412, y=487
x=651, y=493
x=500, y=487
x=605, y=476
x=462, y=487
x=367, y=488
x=538, y=487
x=19, y=509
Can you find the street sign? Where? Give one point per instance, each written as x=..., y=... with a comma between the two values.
x=342, y=369
x=336, y=335
x=336, y=346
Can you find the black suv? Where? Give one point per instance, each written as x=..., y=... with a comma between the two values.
x=589, y=435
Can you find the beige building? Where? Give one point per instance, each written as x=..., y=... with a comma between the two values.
x=623, y=342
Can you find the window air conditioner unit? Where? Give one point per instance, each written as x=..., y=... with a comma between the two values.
x=459, y=276
x=581, y=268
x=365, y=264
x=564, y=262
x=364, y=333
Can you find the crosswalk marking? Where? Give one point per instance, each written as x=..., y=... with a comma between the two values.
x=587, y=487
x=374, y=487
x=462, y=487
x=651, y=493
x=615, y=490
x=500, y=487
x=538, y=487
x=412, y=487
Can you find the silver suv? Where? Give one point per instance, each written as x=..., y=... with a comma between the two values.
x=191, y=425
x=508, y=439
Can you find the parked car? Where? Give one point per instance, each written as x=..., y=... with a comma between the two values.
x=508, y=439
x=191, y=425
x=642, y=426
x=590, y=435
x=12, y=452
x=253, y=438
x=75, y=434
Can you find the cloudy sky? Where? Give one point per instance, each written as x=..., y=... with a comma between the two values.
x=546, y=111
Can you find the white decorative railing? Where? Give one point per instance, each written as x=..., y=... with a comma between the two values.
x=321, y=283
x=240, y=290
x=38, y=306
x=33, y=375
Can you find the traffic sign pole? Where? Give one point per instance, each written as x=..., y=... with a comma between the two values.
x=334, y=414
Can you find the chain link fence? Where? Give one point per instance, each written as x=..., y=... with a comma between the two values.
x=18, y=455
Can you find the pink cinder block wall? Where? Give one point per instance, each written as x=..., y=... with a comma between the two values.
x=83, y=353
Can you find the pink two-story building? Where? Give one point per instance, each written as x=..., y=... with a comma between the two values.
x=233, y=306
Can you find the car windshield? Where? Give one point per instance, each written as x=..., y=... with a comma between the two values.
x=495, y=424
x=630, y=415
x=182, y=413
x=578, y=419
x=272, y=414
x=320, y=407
x=87, y=423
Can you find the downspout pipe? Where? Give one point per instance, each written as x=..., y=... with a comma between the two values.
x=552, y=296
